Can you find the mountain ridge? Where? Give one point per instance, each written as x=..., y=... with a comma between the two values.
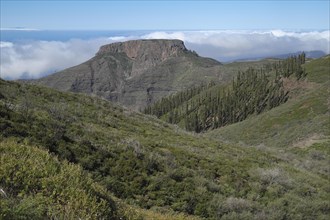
x=136, y=73
x=311, y=54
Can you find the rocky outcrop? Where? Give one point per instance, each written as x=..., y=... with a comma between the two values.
x=136, y=73
x=137, y=49
x=145, y=53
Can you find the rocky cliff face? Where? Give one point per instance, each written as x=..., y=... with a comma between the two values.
x=137, y=49
x=136, y=73
x=145, y=54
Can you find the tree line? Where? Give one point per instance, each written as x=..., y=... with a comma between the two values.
x=211, y=106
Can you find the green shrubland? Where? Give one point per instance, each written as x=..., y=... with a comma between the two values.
x=36, y=185
x=251, y=92
x=66, y=155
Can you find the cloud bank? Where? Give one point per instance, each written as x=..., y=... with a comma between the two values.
x=34, y=59
x=232, y=45
x=39, y=58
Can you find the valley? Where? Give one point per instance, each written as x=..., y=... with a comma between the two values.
x=82, y=127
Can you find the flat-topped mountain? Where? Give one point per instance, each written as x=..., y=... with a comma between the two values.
x=159, y=49
x=145, y=54
x=138, y=72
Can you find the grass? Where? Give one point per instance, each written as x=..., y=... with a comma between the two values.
x=300, y=118
x=149, y=169
x=279, y=127
x=297, y=133
x=35, y=185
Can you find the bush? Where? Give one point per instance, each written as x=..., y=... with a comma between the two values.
x=38, y=186
x=273, y=176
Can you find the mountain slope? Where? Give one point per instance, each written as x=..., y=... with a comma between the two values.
x=34, y=185
x=214, y=105
x=305, y=115
x=37, y=185
x=155, y=165
x=298, y=131
x=135, y=73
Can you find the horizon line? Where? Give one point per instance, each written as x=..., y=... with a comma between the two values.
x=183, y=29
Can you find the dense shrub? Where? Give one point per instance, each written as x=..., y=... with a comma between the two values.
x=38, y=186
x=143, y=161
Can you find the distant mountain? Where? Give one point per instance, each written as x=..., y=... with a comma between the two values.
x=309, y=54
x=136, y=73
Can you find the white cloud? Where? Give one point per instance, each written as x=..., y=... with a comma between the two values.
x=229, y=45
x=165, y=35
x=37, y=58
x=4, y=44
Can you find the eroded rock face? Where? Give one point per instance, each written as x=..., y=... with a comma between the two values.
x=136, y=73
x=135, y=49
x=145, y=53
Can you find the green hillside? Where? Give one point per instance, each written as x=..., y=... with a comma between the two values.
x=298, y=131
x=305, y=117
x=135, y=166
x=36, y=184
x=250, y=92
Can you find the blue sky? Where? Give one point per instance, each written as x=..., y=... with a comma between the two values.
x=165, y=15
x=224, y=30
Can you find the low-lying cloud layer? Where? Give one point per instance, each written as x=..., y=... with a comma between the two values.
x=34, y=59
x=231, y=45
x=38, y=58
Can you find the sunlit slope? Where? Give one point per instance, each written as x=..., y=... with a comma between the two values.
x=150, y=164
x=303, y=119
x=36, y=185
